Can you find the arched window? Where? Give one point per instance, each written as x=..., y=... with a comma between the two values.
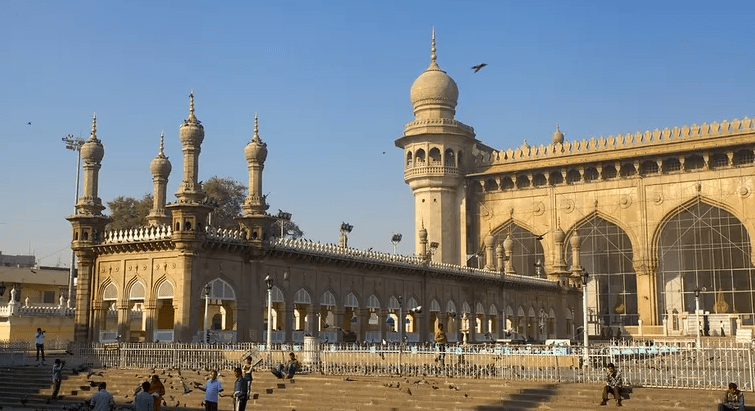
x=450, y=159
x=434, y=156
x=527, y=249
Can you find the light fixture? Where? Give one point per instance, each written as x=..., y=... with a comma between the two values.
x=395, y=240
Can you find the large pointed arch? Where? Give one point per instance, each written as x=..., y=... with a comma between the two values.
x=527, y=249
x=705, y=246
x=607, y=253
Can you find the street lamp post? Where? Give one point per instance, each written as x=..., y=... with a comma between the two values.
x=433, y=248
x=74, y=143
x=269, y=283
x=345, y=230
x=585, y=355
x=207, y=289
x=698, y=328
x=395, y=240
x=282, y=218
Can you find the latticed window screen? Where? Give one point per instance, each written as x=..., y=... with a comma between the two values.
x=527, y=249
x=606, y=253
x=707, y=247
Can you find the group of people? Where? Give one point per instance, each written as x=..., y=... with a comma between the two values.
x=732, y=399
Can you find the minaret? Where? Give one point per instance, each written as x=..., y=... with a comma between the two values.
x=160, y=168
x=88, y=225
x=436, y=148
x=189, y=212
x=255, y=218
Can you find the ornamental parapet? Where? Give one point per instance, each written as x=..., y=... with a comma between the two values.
x=655, y=139
x=421, y=170
x=402, y=261
x=139, y=234
x=429, y=122
x=225, y=235
x=35, y=311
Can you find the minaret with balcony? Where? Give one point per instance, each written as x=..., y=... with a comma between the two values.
x=436, y=147
x=255, y=219
x=160, y=168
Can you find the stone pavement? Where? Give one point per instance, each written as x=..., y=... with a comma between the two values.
x=337, y=393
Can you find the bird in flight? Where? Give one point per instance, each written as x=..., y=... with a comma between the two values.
x=29, y=123
x=478, y=67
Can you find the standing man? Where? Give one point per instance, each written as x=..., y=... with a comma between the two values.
x=39, y=339
x=143, y=401
x=614, y=383
x=240, y=391
x=440, y=341
x=212, y=390
x=246, y=373
x=102, y=400
x=57, y=372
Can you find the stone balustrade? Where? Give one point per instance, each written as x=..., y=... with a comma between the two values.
x=37, y=311
x=620, y=141
x=139, y=234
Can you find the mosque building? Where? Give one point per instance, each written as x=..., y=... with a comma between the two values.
x=659, y=220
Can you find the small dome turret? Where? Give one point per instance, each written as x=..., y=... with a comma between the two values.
x=191, y=131
x=558, y=136
x=160, y=166
x=434, y=93
x=92, y=151
x=256, y=150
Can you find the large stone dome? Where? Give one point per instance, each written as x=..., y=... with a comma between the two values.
x=434, y=93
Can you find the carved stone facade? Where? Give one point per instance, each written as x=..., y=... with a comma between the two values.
x=650, y=216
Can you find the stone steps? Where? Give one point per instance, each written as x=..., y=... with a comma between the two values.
x=339, y=393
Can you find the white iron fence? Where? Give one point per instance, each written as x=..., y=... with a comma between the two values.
x=667, y=365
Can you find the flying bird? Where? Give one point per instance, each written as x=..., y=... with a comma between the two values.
x=478, y=67
x=29, y=123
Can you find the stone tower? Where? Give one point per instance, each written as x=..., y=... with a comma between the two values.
x=160, y=168
x=255, y=219
x=88, y=225
x=190, y=210
x=436, y=147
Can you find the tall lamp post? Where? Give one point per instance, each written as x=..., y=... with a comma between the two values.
x=74, y=143
x=433, y=249
x=395, y=240
x=282, y=218
x=585, y=355
x=269, y=284
x=207, y=289
x=698, y=328
x=345, y=230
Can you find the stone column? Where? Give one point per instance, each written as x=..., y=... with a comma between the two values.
x=489, y=252
x=647, y=298
x=124, y=320
x=83, y=331
x=148, y=320
x=382, y=317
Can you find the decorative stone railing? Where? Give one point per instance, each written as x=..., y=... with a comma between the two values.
x=429, y=122
x=36, y=311
x=140, y=234
x=621, y=141
x=377, y=257
x=421, y=169
x=225, y=235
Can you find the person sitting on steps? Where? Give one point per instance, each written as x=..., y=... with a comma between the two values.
x=733, y=399
x=291, y=367
x=613, y=385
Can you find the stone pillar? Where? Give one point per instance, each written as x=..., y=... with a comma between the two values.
x=288, y=321
x=647, y=308
x=338, y=313
x=83, y=332
x=382, y=317
x=508, y=248
x=576, y=267
x=124, y=320
x=148, y=320
x=499, y=257
x=489, y=252
x=313, y=325
x=363, y=318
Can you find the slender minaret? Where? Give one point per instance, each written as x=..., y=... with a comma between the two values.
x=189, y=213
x=191, y=134
x=160, y=168
x=436, y=148
x=255, y=219
x=88, y=225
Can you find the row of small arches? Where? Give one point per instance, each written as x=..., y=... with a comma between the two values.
x=419, y=158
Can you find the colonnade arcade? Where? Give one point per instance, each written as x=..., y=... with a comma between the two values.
x=698, y=245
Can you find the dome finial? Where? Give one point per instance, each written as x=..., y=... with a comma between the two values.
x=432, y=49
x=256, y=128
x=192, y=117
x=93, y=135
x=161, y=154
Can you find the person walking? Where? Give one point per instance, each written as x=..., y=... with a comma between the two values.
x=212, y=389
x=57, y=373
x=102, y=400
x=39, y=339
x=144, y=401
x=240, y=390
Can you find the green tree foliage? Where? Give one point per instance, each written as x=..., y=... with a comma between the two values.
x=290, y=229
x=229, y=195
x=128, y=212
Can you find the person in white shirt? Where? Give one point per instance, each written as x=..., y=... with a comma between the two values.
x=39, y=339
x=102, y=400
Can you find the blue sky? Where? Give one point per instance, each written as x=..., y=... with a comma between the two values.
x=330, y=82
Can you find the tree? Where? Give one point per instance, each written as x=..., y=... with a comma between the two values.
x=289, y=228
x=128, y=212
x=230, y=195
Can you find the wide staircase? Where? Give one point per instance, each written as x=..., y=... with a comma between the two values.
x=311, y=392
